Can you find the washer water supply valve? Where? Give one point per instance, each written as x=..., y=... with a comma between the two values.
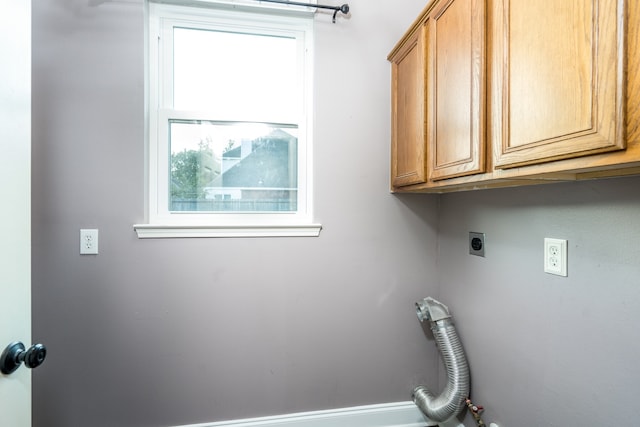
x=475, y=412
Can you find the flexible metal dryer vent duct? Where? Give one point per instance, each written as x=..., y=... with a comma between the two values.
x=451, y=401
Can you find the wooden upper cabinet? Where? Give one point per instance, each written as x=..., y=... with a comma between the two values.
x=408, y=145
x=491, y=93
x=557, y=79
x=438, y=95
x=455, y=53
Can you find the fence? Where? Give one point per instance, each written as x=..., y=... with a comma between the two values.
x=238, y=205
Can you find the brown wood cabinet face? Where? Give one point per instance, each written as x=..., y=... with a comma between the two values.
x=550, y=89
x=408, y=147
x=558, y=87
x=633, y=72
x=456, y=87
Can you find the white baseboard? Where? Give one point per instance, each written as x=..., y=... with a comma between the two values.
x=400, y=414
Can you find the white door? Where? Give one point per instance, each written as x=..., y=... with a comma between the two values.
x=15, y=203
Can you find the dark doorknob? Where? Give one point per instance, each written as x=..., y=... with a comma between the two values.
x=15, y=354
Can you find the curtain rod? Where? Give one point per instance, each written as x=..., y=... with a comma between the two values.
x=344, y=8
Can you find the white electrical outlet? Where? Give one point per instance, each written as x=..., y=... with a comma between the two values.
x=89, y=241
x=555, y=256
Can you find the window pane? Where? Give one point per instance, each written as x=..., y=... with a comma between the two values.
x=232, y=167
x=236, y=75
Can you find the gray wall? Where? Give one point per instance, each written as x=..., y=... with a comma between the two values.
x=152, y=333
x=543, y=349
x=162, y=332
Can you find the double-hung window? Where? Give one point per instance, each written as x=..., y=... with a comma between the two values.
x=229, y=121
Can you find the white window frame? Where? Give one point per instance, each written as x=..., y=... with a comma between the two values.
x=232, y=15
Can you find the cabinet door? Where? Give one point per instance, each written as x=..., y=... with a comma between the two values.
x=557, y=79
x=456, y=88
x=408, y=112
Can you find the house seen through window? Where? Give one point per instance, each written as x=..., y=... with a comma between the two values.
x=246, y=167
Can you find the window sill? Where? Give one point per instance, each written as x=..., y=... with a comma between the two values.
x=155, y=231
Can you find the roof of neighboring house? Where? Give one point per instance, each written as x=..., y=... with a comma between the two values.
x=267, y=165
x=233, y=153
